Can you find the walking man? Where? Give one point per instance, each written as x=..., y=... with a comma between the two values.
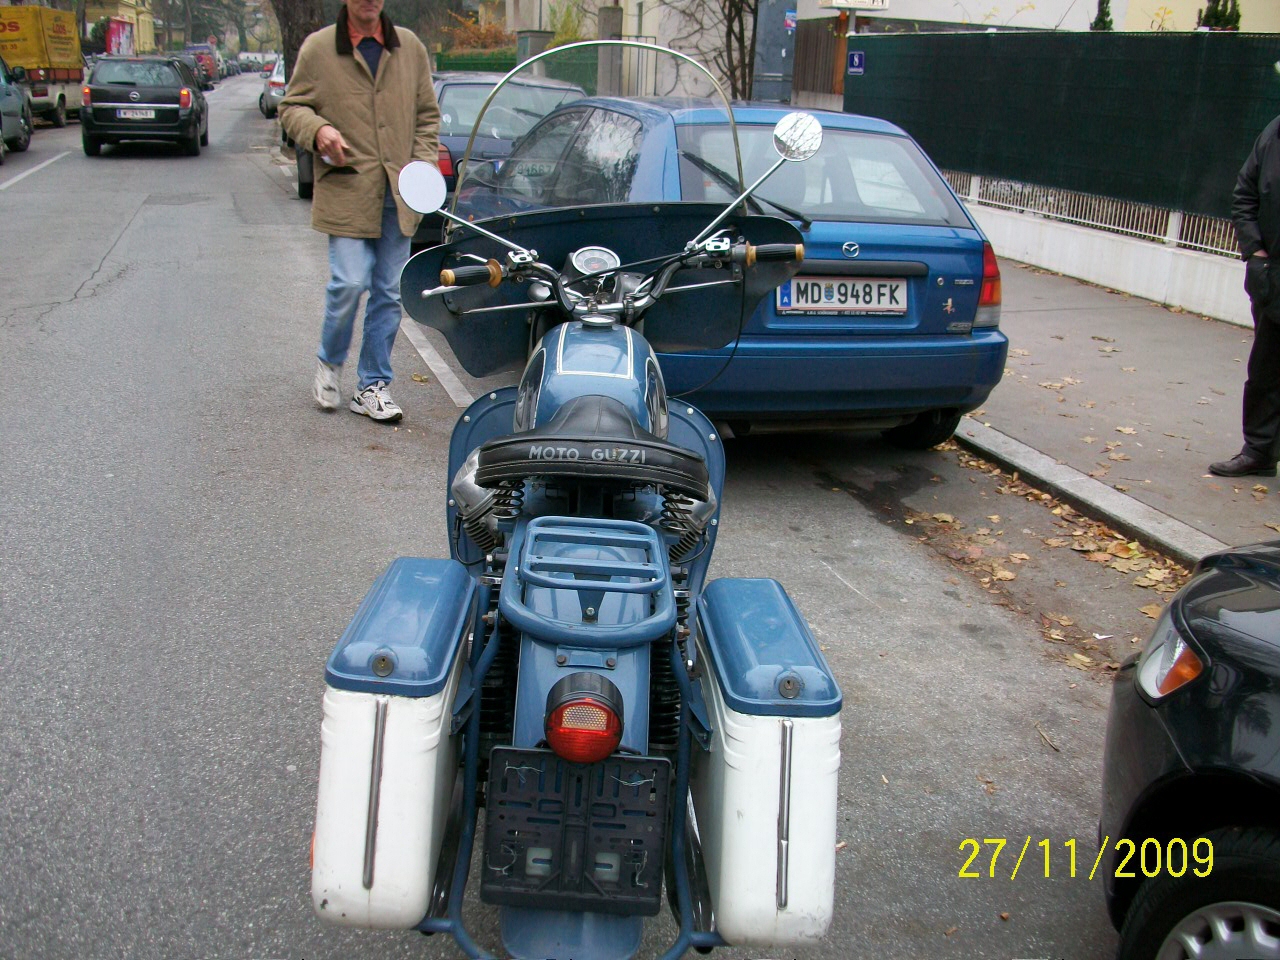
x=1255, y=209
x=361, y=99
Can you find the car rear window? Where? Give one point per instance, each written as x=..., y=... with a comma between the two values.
x=137, y=73
x=856, y=176
x=517, y=108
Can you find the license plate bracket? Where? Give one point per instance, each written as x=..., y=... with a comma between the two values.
x=843, y=296
x=564, y=836
x=135, y=114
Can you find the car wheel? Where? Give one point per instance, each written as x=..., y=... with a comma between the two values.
x=927, y=430
x=23, y=139
x=59, y=115
x=1234, y=912
x=191, y=146
x=204, y=137
x=92, y=145
x=4, y=148
x=262, y=104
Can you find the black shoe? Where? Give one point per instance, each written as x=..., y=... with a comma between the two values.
x=1243, y=465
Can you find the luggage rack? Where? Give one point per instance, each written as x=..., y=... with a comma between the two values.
x=595, y=559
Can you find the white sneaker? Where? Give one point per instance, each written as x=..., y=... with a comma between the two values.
x=375, y=401
x=325, y=387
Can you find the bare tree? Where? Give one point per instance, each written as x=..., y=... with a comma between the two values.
x=720, y=33
x=297, y=19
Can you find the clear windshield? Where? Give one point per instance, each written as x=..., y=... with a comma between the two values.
x=587, y=124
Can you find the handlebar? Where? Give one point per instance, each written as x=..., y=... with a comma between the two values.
x=490, y=273
x=785, y=252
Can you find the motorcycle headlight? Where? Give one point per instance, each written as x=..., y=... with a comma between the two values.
x=1168, y=663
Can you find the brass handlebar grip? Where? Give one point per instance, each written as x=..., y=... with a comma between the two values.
x=490, y=273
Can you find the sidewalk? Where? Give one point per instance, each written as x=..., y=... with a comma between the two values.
x=1119, y=405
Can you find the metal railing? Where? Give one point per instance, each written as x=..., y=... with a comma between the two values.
x=1214, y=235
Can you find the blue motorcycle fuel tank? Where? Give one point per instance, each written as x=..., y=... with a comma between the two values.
x=582, y=358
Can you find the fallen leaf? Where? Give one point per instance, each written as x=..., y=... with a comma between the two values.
x=1052, y=385
x=1152, y=610
x=1126, y=430
x=1109, y=349
x=1004, y=916
x=1123, y=550
x=1122, y=488
x=1116, y=455
x=1089, y=404
x=1099, y=473
x=1129, y=369
x=983, y=531
x=1112, y=444
x=944, y=518
x=1099, y=556
x=1004, y=575
x=884, y=778
x=949, y=931
x=841, y=845
x=1259, y=488
x=1104, y=339
x=1019, y=557
x=420, y=378
x=1019, y=353
x=1083, y=659
x=1071, y=381
x=1089, y=439
x=994, y=518
x=1055, y=542
x=1273, y=526
x=1060, y=620
x=1084, y=545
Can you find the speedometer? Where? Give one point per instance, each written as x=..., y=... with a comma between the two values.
x=594, y=259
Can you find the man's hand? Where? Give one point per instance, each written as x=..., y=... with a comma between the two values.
x=1260, y=253
x=331, y=147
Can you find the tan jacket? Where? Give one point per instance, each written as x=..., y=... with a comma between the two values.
x=387, y=121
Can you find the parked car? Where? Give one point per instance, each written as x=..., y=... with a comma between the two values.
x=460, y=95
x=143, y=98
x=15, y=111
x=893, y=322
x=196, y=67
x=272, y=89
x=1191, y=772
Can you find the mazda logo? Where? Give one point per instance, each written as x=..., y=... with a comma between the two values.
x=135, y=96
x=851, y=249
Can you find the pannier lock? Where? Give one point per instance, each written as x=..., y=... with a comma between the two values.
x=790, y=686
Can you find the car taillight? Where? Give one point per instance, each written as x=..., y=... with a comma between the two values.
x=86, y=97
x=276, y=84
x=989, y=299
x=584, y=718
x=445, y=161
x=184, y=98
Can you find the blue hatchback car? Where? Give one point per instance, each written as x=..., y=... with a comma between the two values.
x=891, y=324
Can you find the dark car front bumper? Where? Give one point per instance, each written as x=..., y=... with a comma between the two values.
x=1139, y=758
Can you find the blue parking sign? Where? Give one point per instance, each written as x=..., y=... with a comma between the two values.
x=857, y=63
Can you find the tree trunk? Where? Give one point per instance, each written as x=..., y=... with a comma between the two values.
x=297, y=19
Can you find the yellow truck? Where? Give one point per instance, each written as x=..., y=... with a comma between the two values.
x=45, y=44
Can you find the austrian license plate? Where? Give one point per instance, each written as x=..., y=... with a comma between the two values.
x=843, y=295
x=135, y=114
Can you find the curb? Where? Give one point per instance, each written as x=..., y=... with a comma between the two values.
x=1184, y=543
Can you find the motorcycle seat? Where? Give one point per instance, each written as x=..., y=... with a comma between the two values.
x=593, y=438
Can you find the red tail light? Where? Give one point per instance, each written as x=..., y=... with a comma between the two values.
x=445, y=161
x=86, y=98
x=184, y=98
x=990, y=278
x=583, y=731
x=276, y=84
x=584, y=718
x=988, y=313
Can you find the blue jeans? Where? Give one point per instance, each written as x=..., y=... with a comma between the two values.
x=357, y=266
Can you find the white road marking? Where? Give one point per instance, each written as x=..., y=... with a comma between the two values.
x=26, y=173
x=448, y=379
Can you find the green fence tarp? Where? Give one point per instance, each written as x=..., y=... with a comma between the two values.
x=1159, y=118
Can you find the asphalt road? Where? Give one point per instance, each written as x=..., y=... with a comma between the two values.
x=185, y=536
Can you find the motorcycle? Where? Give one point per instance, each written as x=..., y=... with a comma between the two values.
x=626, y=726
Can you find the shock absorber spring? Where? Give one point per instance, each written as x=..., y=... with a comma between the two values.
x=509, y=500
x=677, y=518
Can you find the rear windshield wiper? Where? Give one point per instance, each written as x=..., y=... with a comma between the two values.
x=728, y=182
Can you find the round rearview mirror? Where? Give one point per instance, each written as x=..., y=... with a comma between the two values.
x=797, y=136
x=422, y=186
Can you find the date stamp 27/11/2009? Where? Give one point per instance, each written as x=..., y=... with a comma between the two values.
x=1148, y=858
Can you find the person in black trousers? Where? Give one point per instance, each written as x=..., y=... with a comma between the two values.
x=1255, y=210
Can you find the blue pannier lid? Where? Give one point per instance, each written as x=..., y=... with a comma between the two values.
x=765, y=658
x=404, y=638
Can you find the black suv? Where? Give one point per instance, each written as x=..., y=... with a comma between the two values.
x=144, y=98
